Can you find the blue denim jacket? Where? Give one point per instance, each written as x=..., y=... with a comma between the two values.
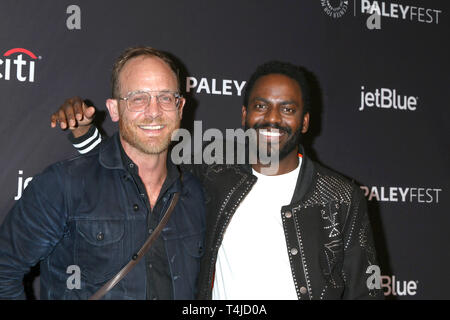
x=79, y=212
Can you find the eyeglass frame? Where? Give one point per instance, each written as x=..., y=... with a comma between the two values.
x=176, y=94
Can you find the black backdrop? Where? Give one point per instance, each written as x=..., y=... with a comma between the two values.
x=400, y=157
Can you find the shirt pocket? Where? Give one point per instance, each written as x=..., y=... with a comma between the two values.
x=99, y=248
x=194, y=245
x=191, y=251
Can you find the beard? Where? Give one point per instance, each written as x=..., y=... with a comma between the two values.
x=129, y=131
x=292, y=142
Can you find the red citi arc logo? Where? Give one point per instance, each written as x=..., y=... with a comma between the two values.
x=24, y=68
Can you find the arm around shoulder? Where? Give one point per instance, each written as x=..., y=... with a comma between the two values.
x=87, y=142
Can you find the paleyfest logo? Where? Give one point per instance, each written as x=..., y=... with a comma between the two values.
x=378, y=9
x=334, y=8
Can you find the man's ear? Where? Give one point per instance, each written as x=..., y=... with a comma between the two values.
x=305, y=122
x=113, y=108
x=244, y=116
x=181, y=103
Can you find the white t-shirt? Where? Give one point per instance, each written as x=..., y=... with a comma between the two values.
x=253, y=262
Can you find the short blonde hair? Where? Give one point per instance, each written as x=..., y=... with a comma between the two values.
x=134, y=52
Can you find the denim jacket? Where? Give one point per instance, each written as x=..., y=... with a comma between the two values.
x=79, y=218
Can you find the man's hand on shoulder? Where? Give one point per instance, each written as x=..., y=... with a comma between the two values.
x=75, y=115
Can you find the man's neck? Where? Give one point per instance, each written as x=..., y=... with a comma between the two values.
x=152, y=169
x=288, y=164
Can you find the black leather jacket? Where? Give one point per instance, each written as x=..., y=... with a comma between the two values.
x=328, y=234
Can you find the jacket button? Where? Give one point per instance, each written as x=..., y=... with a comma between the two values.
x=288, y=214
x=135, y=207
x=294, y=251
x=100, y=236
x=303, y=290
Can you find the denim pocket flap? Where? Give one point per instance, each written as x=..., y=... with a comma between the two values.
x=101, y=232
x=194, y=245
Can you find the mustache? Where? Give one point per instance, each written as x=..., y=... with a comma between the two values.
x=150, y=122
x=267, y=125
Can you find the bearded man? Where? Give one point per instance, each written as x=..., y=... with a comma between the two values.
x=83, y=219
x=289, y=230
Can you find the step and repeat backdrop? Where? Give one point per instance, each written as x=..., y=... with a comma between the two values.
x=379, y=72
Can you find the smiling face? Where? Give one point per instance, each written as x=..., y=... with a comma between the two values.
x=275, y=111
x=150, y=130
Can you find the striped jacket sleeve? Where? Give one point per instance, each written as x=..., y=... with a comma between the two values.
x=87, y=142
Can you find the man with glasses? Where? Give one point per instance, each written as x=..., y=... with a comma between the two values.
x=84, y=219
x=300, y=232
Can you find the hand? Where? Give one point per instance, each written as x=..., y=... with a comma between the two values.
x=75, y=115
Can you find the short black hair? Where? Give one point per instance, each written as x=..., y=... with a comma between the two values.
x=294, y=72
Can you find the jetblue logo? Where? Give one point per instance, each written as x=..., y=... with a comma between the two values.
x=21, y=184
x=390, y=285
x=385, y=98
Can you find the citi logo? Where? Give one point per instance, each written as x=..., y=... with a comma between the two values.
x=386, y=98
x=24, y=68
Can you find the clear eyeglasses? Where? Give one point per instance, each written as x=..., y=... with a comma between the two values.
x=137, y=101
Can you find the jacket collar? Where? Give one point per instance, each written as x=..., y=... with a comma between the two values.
x=109, y=154
x=110, y=157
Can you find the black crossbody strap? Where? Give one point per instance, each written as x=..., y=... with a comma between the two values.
x=138, y=256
